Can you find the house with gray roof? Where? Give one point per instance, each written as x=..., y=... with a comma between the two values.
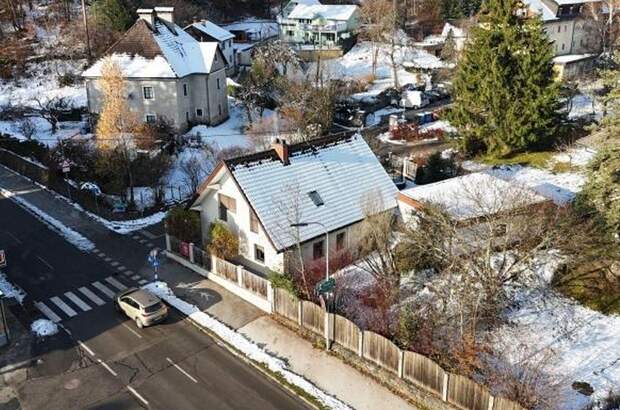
x=312, y=193
x=167, y=72
x=207, y=31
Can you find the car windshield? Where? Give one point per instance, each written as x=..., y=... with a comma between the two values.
x=152, y=308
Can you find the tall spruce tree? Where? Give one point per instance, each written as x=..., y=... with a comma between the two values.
x=505, y=97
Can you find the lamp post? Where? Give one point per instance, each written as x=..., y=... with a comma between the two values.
x=301, y=224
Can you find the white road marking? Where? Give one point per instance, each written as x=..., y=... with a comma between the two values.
x=189, y=376
x=83, y=346
x=104, y=289
x=142, y=281
x=136, y=277
x=107, y=259
x=49, y=313
x=108, y=368
x=63, y=306
x=15, y=238
x=131, y=330
x=142, y=240
x=136, y=237
x=90, y=295
x=79, y=302
x=129, y=272
x=135, y=393
x=115, y=283
x=148, y=234
x=121, y=268
x=45, y=262
x=114, y=263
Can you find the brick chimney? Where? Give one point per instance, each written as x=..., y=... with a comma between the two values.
x=147, y=15
x=165, y=13
x=281, y=148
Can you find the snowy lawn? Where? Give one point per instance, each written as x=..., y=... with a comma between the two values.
x=244, y=345
x=43, y=130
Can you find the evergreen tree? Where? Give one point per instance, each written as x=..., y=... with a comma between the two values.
x=113, y=14
x=449, y=52
x=505, y=97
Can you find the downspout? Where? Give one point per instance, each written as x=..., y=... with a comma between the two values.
x=208, y=99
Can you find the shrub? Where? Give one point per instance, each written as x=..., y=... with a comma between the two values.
x=411, y=132
x=224, y=244
x=437, y=169
x=67, y=79
x=183, y=224
x=283, y=281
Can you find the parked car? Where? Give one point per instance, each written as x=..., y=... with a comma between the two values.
x=91, y=187
x=141, y=306
x=413, y=99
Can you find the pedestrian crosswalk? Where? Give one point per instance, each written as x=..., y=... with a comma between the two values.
x=83, y=299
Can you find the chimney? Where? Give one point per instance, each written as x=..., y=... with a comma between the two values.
x=165, y=13
x=281, y=148
x=147, y=15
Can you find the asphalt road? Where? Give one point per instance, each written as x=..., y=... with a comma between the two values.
x=102, y=360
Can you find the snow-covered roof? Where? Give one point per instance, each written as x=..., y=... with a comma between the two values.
x=539, y=7
x=213, y=30
x=456, y=31
x=342, y=12
x=267, y=28
x=471, y=196
x=341, y=172
x=571, y=58
x=161, y=51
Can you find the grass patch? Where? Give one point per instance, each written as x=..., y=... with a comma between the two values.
x=560, y=167
x=533, y=159
x=597, y=290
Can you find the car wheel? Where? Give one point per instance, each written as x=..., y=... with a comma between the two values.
x=139, y=323
x=117, y=307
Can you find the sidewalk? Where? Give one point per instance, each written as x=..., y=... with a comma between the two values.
x=324, y=370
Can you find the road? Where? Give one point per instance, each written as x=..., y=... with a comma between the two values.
x=102, y=360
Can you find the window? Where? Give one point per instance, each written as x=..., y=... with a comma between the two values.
x=187, y=116
x=198, y=112
x=227, y=204
x=340, y=238
x=218, y=83
x=559, y=29
x=316, y=198
x=562, y=46
x=148, y=93
x=259, y=254
x=219, y=108
x=185, y=89
x=253, y=222
x=317, y=250
x=150, y=118
x=565, y=28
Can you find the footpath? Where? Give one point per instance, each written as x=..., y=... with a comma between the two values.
x=325, y=371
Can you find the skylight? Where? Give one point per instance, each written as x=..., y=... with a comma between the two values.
x=316, y=198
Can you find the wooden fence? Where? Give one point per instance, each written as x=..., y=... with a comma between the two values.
x=423, y=371
x=381, y=351
x=313, y=317
x=226, y=269
x=254, y=283
x=285, y=304
x=347, y=334
x=467, y=394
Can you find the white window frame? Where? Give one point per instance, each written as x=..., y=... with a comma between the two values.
x=144, y=87
x=150, y=114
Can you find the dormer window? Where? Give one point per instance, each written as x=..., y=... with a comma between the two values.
x=316, y=198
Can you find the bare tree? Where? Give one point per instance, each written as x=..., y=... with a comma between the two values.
x=377, y=22
x=604, y=18
x=50, y=109
x=27, y=128
x=196, y=168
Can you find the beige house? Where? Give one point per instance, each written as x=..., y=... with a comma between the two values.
x=167, y=72
x=574, y=38
x=324, y=184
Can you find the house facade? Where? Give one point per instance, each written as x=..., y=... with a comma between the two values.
x=308, y=24
x=168, y=74
x=574, y=37
x=206, y=31
x=320, y=184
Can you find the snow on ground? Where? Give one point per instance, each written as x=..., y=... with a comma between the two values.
x=44, y=327
x=230, y=133
x=438, y=125
x=582, y=106
x=40, y=80
x=125, y=227
x=73, y=237
x=376, y=117
x=244, y=345
x=43, y=130
x=9, y=290
x=584, y=343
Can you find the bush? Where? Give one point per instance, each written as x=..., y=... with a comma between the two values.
x=29, y=149
x=183, y=224
x=437, y=169
x=224, y=244
x=411, y=132
x=67, y=79
x=283, y=281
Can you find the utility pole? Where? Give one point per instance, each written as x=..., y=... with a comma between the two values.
x=85, y=18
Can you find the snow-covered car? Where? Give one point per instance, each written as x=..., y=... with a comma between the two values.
x=91, y=187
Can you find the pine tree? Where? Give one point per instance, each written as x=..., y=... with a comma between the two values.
x=113, y=14
x=505, y=97
x=449, y=51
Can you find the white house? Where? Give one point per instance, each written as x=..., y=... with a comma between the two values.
x=329, y=184
x=206, y=31
x=167, y=72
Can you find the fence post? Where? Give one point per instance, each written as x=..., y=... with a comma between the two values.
x=191, y=252
x=271, y=297
x=300, y=314
x=168, y=245
x=329, y=329
x=444, y=393
x=239, y=275
x=491, y=402
x=360, y=347
x=401, y=362
x=214, y=264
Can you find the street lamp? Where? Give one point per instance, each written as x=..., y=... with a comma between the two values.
x=301, y=224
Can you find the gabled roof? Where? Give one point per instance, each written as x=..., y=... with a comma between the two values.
x=341, y=12
x=471, y=196
x=540, y=8
x=212, y=30
x=332, y=180
x=163, y=50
